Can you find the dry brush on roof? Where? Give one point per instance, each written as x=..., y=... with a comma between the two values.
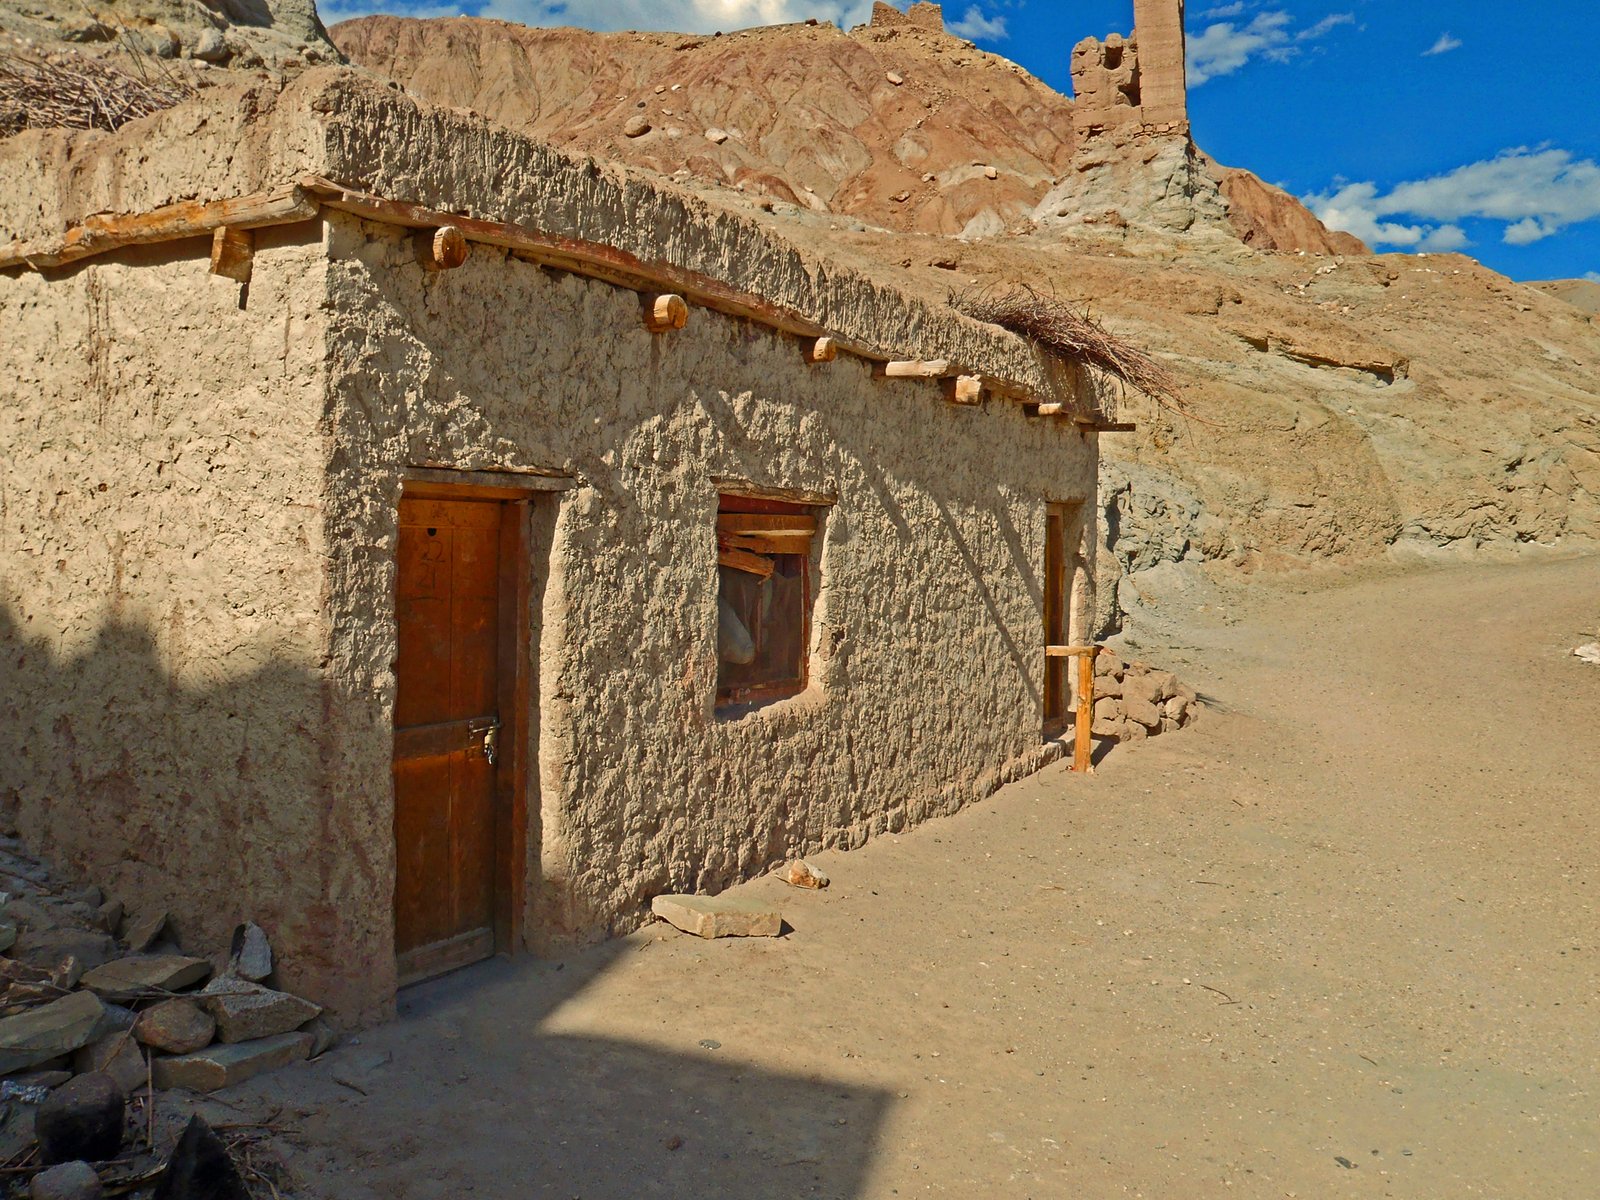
x=1072, y=336
x=71, y=91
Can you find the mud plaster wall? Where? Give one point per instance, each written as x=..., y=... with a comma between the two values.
x=162, y=627
x=926, y=659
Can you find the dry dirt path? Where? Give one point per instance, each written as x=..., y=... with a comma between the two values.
x=1338, y=940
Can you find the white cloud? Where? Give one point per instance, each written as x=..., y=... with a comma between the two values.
x=1536, y=192
x=1222, y=48
x=1222, y=12
x=1593, y=276
x=978, y=28
x=686, y=16
x=1444, y=239
x=1444, y=45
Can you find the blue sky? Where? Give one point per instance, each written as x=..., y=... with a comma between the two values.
x=1417, y=124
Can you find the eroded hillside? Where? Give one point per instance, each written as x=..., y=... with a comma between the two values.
x=1341, y=405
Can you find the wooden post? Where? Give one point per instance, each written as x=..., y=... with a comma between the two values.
x=1053, y=410
x=232, y=253
x=819, y=350
x=442, y=249
x=665, y=313
x=1083, y=746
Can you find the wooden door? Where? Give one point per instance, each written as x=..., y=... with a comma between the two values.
x=448, y=744
x=1057, y=560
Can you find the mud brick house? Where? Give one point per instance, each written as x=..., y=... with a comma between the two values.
x=430, y=544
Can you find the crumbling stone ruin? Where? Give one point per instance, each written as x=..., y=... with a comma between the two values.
x=921, y=15
x=1139, y=81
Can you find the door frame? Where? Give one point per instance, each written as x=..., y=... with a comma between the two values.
x=1068, y=517
x=515, y=670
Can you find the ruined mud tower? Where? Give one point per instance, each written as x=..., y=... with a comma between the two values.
x=1136, y=84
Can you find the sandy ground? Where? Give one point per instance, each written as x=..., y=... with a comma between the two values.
x=1337, y=940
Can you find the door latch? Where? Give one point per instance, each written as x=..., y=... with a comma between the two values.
x=491, y=739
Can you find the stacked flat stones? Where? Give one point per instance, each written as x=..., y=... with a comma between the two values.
x=95, y=1001
x=1134, y=701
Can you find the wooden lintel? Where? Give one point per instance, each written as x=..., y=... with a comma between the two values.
x=768, y=523
x=105, y=232
x=964, y=389
x=819, y=350
x=665, y=312
x=914, y=368
x=442, y=249
x=1070, y=651
x=1089, y=426
x=1052, y=410
x=232, y=252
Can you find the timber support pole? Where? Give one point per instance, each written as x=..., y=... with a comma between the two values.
x=1083, y=723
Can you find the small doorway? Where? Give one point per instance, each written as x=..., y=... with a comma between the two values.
x=1064, y=576
x=460, y=728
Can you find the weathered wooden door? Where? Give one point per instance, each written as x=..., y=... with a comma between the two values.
x=448, y=743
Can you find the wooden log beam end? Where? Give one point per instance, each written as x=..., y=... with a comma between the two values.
x=666, y=312
x=819, y=350
x=964, y=389
x=232, y=253
x=915, y=368
x=442, y=249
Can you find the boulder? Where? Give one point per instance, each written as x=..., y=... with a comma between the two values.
x=719, y=916
x=116, y=1055
x=802, y=874
x=47, y=947
x=1143, y=711
x=1140, y=687
x=245, y=1011
x=200, y=1168
x=1166, y=684
x=140, y=974
x=638, y=125
x=1108, y=663
x=1107, y=685
x=178, y=1026
x=251, y=954
x=57, y=1028
x=84, y=1119
x=1108, y=708
x=223, y=1066
x=1175, y=709
x=67, y=1181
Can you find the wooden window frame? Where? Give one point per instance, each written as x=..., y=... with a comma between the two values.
x=755, y=503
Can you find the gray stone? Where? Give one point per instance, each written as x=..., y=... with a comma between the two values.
x=245, y=1011
x=84, y=1119
x=223, y=1066
x=210, y=47
x=200, y=1168
x=142, y=931
x=116, y=1055
x=138, y=975
x=57, y=1028
x=719, y=916
x=8, y=935
x=324, y=1037
x=47, y=947
x=178, y=1026
x=66, y=1181
x=111, y=914
x=251, y=955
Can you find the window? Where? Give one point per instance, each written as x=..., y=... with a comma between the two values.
x=765, y=552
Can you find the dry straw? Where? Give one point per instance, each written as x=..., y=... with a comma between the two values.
x=1073, y=336
x=72, y=91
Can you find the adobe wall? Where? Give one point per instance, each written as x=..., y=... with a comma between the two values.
x=163, y=623
x=925, y=658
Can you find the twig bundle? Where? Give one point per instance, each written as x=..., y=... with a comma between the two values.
x=72, y=91
x=1070, y=335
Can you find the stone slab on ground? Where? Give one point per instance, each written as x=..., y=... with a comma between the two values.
x=69, y=1181
x=57, y=1028
x=246, y=1011
x=129, y=978
x=178, y=1026
x=116, y=1055
x=223, y=1066
x=719, y=916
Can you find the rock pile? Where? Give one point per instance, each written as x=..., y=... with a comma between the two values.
x=99, y=1007
x=1134, y=701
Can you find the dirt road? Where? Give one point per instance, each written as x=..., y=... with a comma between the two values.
x=1338, y=940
